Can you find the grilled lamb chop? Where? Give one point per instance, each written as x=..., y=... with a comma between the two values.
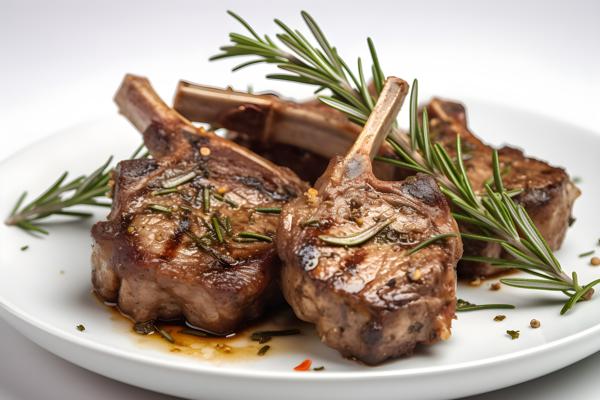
x=346, y=249
x=548, y=193
x=184, y=238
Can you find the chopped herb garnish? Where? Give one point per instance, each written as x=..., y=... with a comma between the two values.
x=268, y=210
x=161, y=192
x=225, y=200
x=80, y=328
x=463, y=305
x=319, y=368
x=357, y=238
x=429, y=241
x=577, y=179
x=159, y=208
x=227, y=226
x=587, y=253
x=265, y=336
x=178, y=180
x=144, y=328
x=202, y=245
x=206, y=199
x=499, y=318
x=263, y=350
x=217, y=228
x=310, y=222
x=24, y=248
x=513, y=334
x=254, y=235
x=166, y=335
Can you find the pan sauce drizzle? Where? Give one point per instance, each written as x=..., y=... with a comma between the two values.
x=233, y=348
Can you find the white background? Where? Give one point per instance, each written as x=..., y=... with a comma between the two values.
x=60, y=63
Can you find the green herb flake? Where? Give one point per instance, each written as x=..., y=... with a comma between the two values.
x=268, y=210
x=357, y=238
x=162, y=192
x=178, y=180
x=160, y=209
x=80, y=328
x=320, y=368
x=513, y=334
x=24, y=248
x=499, y=318
x=263, y=350
x=587, y=253
x=206, y=199
x=254, y=235
x=463, y=305
x=165, y=335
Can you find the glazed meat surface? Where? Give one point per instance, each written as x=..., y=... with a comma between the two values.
x=186, y=237
x=373, y=299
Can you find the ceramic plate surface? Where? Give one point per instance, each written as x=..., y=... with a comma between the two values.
x=45, y=293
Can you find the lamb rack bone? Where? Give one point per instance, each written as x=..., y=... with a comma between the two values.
x=166, y=132
x=325, y=133
x=358, y=160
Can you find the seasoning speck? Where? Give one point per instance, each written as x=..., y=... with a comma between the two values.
x=263, y=350
x=320, y=368
x=595, y=261
x=475, y=282
x=311, y=195
x=513, y=334
x=499, y=318
x=415, y=275
x=223, y=347
x=62, y=272
x=204, y=151
x=80, y=328
x=495, y=286
x=303, y=366
x=24, y=248
x=534, y=323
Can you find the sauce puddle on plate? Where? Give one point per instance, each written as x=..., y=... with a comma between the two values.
x=275, y=333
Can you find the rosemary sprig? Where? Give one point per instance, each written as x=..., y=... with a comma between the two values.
x=62, y=195
x=496, y=216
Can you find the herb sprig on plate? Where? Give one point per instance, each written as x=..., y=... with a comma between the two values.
x=62, y=196
x=496, y=216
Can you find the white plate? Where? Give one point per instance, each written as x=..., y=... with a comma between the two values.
x=46, y=305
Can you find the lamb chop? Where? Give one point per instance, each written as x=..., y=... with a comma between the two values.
x=186, y=237
x=548, y=193
x=351, y=261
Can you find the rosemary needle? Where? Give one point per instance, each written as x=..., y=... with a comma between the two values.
x=256, y=236
x=357, y=238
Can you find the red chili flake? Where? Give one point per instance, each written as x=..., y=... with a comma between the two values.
x=303, y=366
